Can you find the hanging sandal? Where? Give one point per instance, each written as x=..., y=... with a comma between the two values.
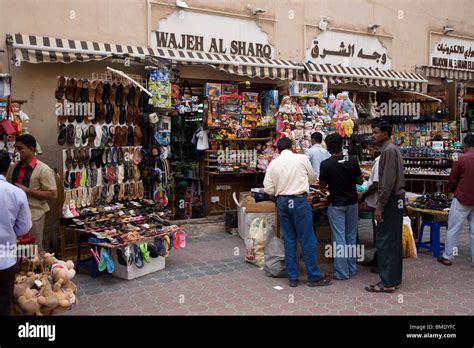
x=145, y=253
x=137, y=256
x=102, y=264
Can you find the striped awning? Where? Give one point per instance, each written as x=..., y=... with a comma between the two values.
x=447, y=73
x=42, y=49
x=337, y=74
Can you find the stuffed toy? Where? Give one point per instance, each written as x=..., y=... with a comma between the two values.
x=25, y=296
x=338, y=123
x=286, y=106
x=303, y=106
x=308, y=130
x=346, y=104
x=279, y=123
x=61, y=271
x=337, y=105
x=298, y=135
x=287, y=132
x=331, y=100
x=348, y=125
x=262, y=163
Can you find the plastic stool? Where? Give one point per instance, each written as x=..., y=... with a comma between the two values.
x=433, y=244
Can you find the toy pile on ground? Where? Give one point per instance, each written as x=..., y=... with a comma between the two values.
x=43, y=286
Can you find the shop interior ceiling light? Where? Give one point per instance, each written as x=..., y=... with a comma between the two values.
x=374, y=28
x=181, y=4
x=255, y=10
x=447, y=29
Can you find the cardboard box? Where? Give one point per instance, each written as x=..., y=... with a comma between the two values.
x=123, y=272
x=321, y=258
x=324, y=233
x=261, y=207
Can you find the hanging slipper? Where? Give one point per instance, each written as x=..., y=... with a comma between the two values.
x=121, y=256
x=166, y=245
x=70, y=134
x=96, y=256
x=102, y=263
x=160, y=246
x=145, y=252
x=137, y=256
x=109, y=262
x=153, y=250
x=62, y=135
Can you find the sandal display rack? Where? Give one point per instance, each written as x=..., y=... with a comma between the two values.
x=107, y=178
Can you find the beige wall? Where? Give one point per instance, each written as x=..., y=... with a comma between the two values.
x=125, y=22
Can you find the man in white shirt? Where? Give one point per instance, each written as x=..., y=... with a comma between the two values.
x=316, y=153
x=15, y=221
x=288, y=178
x=370, y=196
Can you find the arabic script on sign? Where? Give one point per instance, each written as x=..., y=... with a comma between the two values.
x=347, y=52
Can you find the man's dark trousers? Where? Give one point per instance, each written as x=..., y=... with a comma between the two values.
x=389, y=242
x=7, y=281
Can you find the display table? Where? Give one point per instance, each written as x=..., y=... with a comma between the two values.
x=417, y=214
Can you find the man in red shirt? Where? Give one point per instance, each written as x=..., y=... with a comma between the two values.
x=462, y=207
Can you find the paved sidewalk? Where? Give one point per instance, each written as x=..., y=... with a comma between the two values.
x=207, y=278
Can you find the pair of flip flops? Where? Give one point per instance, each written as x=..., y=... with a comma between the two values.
x=106, y=261
x=124, y=256
x=179, y=240
x=141, y=255
x=163, y=245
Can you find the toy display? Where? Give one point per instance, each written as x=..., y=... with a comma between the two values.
x=298, y=120
x=43, y=286
x=213, y=89
x=159, y=85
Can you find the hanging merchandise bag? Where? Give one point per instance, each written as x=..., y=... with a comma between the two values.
x=188, y=103
x=255, y=244
x=274, y=257
x=408, y=241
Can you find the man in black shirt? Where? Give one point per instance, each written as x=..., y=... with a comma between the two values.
x=342, y=175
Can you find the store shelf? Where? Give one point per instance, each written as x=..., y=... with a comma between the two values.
x=234, y=173
x=242, y=139
x=430, y=175
x=186, y=178
x=425, y=158
x=427, y=165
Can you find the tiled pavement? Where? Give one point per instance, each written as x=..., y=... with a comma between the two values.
x=208, y=278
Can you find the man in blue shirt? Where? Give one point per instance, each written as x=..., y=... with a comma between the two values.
x=15, y=221
x=316, y=153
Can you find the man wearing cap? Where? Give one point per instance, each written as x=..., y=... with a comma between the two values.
x=288, y=178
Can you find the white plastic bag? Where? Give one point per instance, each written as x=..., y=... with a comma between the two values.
x=255, y=244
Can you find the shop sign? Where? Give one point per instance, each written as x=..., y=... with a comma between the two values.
x=351, y=50
x=453, y=53
x=212, y=34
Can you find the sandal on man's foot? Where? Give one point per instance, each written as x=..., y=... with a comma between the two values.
x=323, y=281
x=444, y=261
x=379, y=288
